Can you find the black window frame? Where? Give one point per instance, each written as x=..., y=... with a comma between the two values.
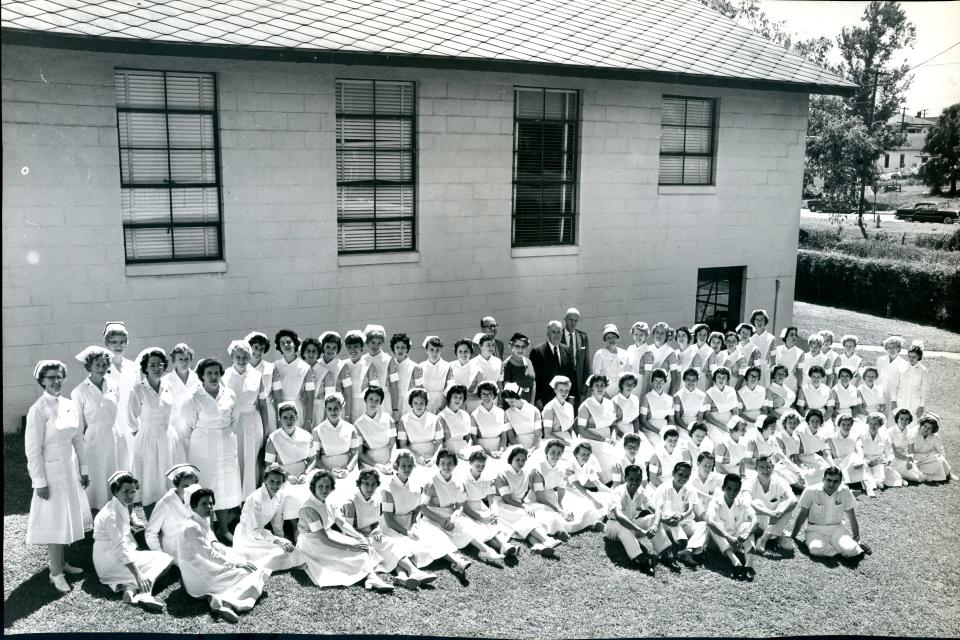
x=170, y=185
x=573, y=182
x=712, y=155
x=375, y=182
x=712, y=277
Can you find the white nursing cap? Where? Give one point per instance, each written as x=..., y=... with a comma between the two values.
x=114, y=326
x=572, y=311
x=336, y=395
x=328, y=333
x=558, y=380
x=428, y=339
x=610, y=328
x=255, y=334
x=47, y=363
x=176, y=469
x=148, y=350
x=477, y=337
x=91, y=350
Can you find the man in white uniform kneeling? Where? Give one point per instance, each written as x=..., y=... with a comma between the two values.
x=825, y=505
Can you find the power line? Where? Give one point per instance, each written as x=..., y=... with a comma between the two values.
x=936, y=56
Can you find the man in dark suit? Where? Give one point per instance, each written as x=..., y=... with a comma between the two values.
x=551, y=358
x=580, y=348
x=489, y=326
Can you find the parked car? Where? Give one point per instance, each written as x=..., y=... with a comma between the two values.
x=928, y=212
x=831, y=206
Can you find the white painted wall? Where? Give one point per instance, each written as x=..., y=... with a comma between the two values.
x=638, y=251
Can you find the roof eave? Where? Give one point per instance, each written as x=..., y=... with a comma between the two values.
x=77, y=42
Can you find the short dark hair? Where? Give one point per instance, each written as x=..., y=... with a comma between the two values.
x=554, y=442
x=199, y=494
x=750, y=370
x=691, y=372
x=478, y=454
x=417, y=393
x=732, y=478
x=448, y=454
x=331, y=338
x=206, y=363
x=122, y=479
x=353, y=339
x=463, y=341
x=368, y=473
x=399, y=338
x=632, y=469
x=456, y=388
x=817, y=369
x=310, y=341
x=289, y=333
x=374, y=390
x=682, y=465
x=832, y=471
x=318, y=475
x=659, y=374
x=153, y=352
x=261, y=340
x=671, y=432
x=704, y=455
x=698, y=426
x=515, y=452
x=583, y=446
x=632, y=438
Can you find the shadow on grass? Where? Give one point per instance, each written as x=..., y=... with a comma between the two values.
x=29, y=596
x=17, y=492
x=831, y=562
x=618, y=556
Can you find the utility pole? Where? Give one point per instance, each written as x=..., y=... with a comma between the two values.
x=866, y=162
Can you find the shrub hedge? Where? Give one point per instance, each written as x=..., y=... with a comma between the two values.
x=939, y=241
x=920, y=292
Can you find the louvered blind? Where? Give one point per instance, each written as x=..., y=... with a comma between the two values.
x=169, y=165
x=545, y=166
x=376, y=166
x=687, y=135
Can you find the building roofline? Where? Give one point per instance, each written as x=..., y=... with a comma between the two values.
x=132, y=46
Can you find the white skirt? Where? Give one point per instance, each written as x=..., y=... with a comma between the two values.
x=431, y=544
x=63, y=517
x=264, y=554
x=250, y=440
x=331, y=567
x=113, y=573
x=514, y=521
x=106, y=450
x=237, y=587
x=154, y=451
x=214, y=453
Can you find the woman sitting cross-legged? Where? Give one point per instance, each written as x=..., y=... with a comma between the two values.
x=229, y=581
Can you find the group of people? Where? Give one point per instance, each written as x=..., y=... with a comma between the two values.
x=352, y=467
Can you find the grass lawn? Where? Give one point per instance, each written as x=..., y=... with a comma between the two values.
x=871, y=330
x=899, y=229
x=909, y=586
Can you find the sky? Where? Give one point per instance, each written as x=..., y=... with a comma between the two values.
x=936, y=84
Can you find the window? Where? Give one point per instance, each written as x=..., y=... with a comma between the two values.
x=169, y=165
x=376, y=167
x=903, y=160
x=687, y=140
x=886, y=161
x=545, y=157
x=719, y=294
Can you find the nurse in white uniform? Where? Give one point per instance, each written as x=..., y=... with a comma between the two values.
x=97, y=399
x=337, y=445
x=172, y=511
x=118, y=562
x=488, y=364
x=787, y=354
x=292, y=378
x=891, y=367
x=595, y=421
x=764, y=340
x=409, y=374
x=610, y=360
x=381, y=364
x=724, y=405
x=229, y=581
x=211, y=416
x=259, y=347
x=249, y=387
x=53, y=441
x=177, y=387
x=156, y=443
x=124, y=373
x=435, y=373
x=914, y=384
x=265, y=547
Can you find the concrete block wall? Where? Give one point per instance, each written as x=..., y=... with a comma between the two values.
x=639, y=245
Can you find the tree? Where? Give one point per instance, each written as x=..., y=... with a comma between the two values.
x=867, y=51
x=749, y=14
x=943, y=145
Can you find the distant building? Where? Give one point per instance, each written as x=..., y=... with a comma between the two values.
x=203, y=169
x=908, y=158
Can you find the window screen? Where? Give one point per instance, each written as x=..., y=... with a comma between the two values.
x=169, y=165
x=545, y=166
x=687, y=140
x=376, y=166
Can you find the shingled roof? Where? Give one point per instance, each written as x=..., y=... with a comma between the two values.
x=662, y=40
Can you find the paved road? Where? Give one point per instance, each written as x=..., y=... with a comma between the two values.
x=806, y=213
